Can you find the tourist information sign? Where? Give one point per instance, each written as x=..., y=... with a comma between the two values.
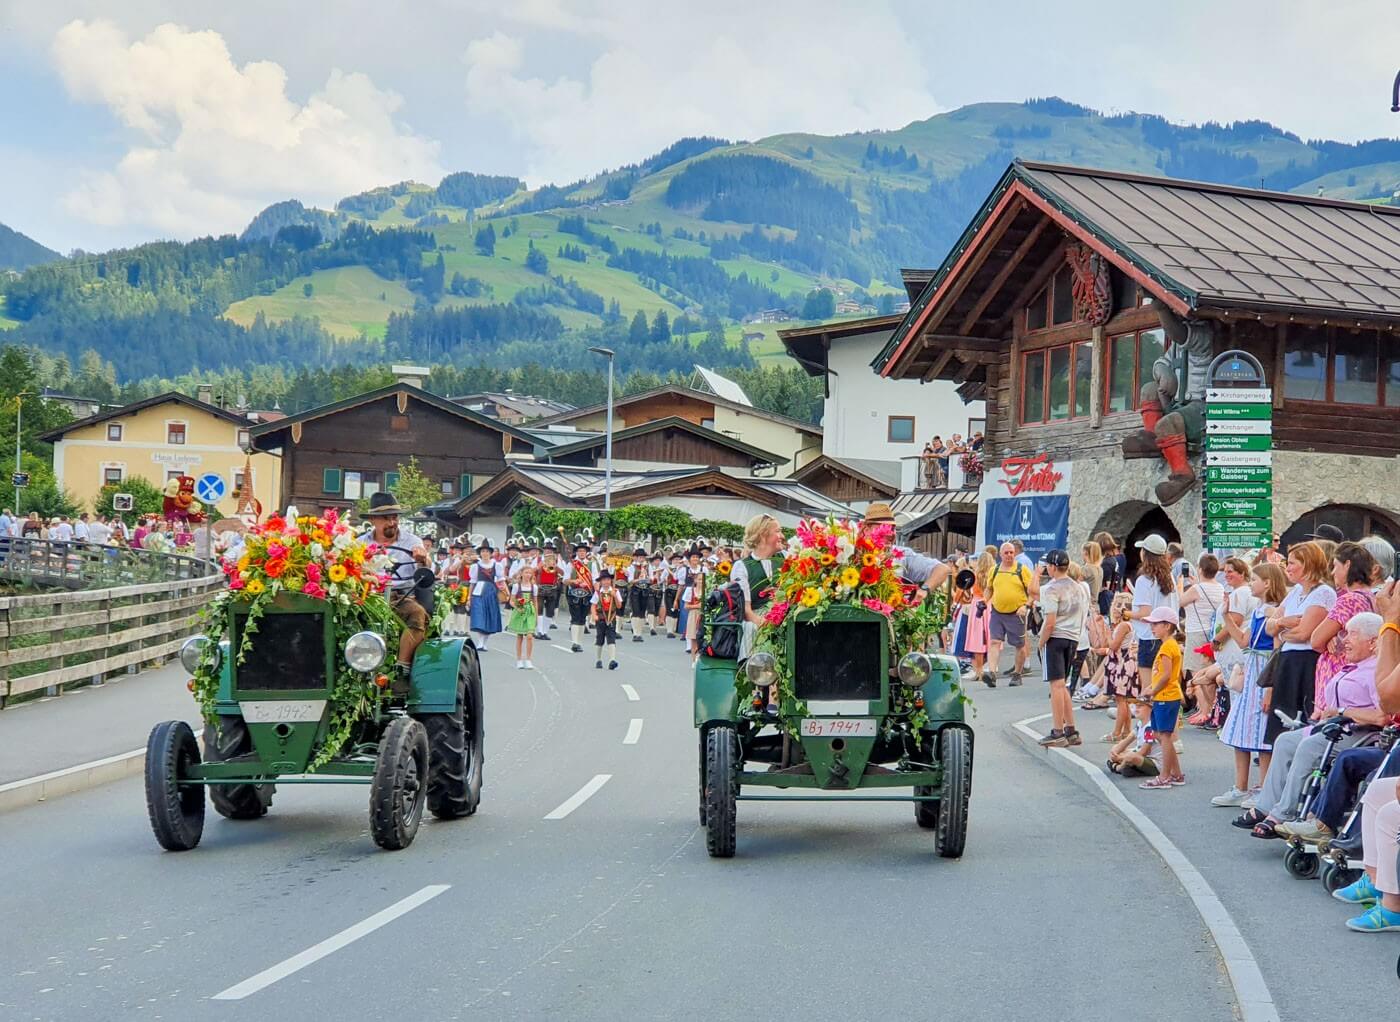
x=1237, y=505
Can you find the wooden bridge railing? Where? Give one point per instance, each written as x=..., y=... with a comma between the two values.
x=124, y=609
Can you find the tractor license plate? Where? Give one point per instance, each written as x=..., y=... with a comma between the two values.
x=840, y=727
x=279, y=711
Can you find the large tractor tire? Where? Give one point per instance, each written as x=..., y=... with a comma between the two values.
x=721, y=790
x=176, y=810
x=955, y=752
x=400, y=786
x=232, y=739
x=455, y=752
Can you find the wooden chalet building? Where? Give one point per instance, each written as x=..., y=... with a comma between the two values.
x=1310, y=286
x=668, y=441
x=339, y=453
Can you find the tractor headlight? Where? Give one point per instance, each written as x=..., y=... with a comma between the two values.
x=761, y=669
x=193, y=649
x=915, y=668
x=364, y=651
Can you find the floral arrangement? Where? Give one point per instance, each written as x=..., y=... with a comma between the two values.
x=844, y=562
x=972, y=463
x=320, y=558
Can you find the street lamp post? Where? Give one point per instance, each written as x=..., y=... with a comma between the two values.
x=19, y=425
x=1395, y=96
x=608, y=354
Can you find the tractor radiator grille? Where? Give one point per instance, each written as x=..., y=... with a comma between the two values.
x=288, y=653
x=838, y=660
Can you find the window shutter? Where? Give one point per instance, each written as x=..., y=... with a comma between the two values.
x=330, y=480
x=391, y=481
x=465, y=488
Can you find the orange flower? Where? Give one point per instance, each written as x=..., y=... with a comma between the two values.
x=275, y=567
x=869, y=560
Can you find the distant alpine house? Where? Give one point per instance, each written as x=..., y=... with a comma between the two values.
x=1069, y=284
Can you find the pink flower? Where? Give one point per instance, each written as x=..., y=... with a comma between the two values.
x=332, y=516
x=313, y=572
x=882, y=535
x=313, y=590
x=777, y=613
x=235, y=581
x=879, y=606
x=275, y=550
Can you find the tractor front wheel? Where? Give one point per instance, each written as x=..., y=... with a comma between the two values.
x=176, y=809
x=232, y=739
x=955, y=751
x=926, y=813
x=400, y=784
x=721, y=790
x=455, y=753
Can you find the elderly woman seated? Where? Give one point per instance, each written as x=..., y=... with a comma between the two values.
x=1350, y=695
x=1378, y=890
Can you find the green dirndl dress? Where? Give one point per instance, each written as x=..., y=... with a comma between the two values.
x=523, y=619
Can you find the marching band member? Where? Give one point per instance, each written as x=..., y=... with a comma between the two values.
x=638, y=592
x=578, y=580
x=551, y=576
x=606, y=605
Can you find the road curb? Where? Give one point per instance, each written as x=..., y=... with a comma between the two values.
x=32, y=790
x=1256, y=1003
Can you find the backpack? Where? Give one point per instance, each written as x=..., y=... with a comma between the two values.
x=724, y=613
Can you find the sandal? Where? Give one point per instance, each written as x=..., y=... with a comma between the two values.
x=1248, y=820
x=1113, y=768
x=1265, y=831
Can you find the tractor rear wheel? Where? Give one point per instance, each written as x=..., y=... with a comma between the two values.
x=955, y=751
x=400, y=784
x=232, y=739
x=721, y=790
x=176, y=810
x=455, y=754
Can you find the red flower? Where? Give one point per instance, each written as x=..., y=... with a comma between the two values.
x=869, y=576
x=305, y=539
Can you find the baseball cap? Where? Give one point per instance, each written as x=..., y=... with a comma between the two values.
x=1057, y=559
x=1162, y=615
x=1153, y=544
x=1329, y=532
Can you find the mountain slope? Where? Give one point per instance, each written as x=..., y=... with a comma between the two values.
x=661, y=260
x=19, y=252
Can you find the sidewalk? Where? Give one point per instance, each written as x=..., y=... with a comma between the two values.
x=92, y=723
x=1293, y=927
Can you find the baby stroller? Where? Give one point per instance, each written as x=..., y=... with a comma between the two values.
x=1343, y=853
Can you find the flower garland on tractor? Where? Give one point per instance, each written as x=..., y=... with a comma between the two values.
x=844, y=562
x=323, y=559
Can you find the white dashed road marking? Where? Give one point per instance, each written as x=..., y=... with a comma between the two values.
x=634, y=731
x=632, y=696
x=579, y=797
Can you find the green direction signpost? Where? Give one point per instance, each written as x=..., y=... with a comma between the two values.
x=1238, y=503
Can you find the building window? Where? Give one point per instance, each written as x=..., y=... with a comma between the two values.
x=113, y=474
x=1338, y=366
x=174, y=432
x=1053, y=305
x=245, y=438
x=448, y=487
x=237, y=481
x=114, y=432
x=1130, y=358
x=1055, y=383
x=900, y=429
x=171, y=474
x=361, y=485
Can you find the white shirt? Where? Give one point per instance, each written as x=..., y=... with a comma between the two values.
x=1147, y=594
x=61, y=533
x=1295, y=603
x=1200, y=614
x=80, y=531
x=99, y=533
x=1242, y=602
x=401, y=551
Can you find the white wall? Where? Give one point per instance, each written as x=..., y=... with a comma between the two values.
x=856, y=420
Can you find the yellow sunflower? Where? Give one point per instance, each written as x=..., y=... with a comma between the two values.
x=337, y=573
x=850, y=578
x=811, y=597
x=255, y=586
x=870, y=559
x=828, y=559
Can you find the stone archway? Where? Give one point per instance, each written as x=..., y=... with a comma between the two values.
x=1355, y=521
x=1131, y=520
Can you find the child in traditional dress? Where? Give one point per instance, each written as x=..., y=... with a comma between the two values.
x=692, y=597
x=525, y=604
x=605, y=611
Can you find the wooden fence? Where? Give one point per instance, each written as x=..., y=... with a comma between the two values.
x=143, y=607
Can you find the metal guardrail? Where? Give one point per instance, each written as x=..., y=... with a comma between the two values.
x=124, y=609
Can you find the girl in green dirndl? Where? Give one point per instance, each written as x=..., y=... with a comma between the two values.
x=524, y=615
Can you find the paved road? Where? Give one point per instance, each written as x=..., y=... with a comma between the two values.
x=1057, y=910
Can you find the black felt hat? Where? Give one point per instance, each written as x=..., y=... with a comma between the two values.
x=383, y=503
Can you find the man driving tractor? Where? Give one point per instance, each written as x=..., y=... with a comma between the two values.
x=928, y=573
x=402, y=548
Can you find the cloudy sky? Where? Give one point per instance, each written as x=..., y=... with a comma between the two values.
x=125, y=122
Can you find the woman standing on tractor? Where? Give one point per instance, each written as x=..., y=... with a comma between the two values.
x=763, y=538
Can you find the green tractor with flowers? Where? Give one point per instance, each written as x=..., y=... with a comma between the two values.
x=838, y=698
x=296, y=685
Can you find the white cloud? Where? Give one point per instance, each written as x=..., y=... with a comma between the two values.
x=211, y=143
x=739, y=70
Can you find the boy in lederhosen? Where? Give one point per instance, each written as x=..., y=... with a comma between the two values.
x=605, y=610
x=638, y=592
